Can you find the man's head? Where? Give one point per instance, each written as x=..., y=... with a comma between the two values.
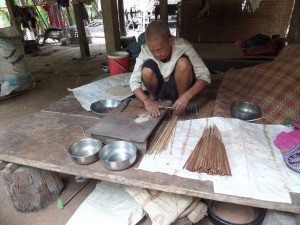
x=159, y=40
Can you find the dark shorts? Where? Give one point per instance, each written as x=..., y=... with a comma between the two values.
x=165, y=90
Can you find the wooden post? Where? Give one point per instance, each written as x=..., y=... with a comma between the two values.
x=111, y=25
x=31, y=189
x=163, y=10
x=121, y=17
x=14, y=20
x=294, y=31
x=83, y=43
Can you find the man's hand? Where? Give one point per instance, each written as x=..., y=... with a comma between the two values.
x=181, y=103
x=152, y=107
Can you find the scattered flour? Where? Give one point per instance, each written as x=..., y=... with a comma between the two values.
x=142, y=118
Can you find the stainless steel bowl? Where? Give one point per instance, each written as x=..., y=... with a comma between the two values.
x=85, y=151
x=105, y=67
x=245, y=110
x=103, y=107
x=239, y=212
x=118, y=155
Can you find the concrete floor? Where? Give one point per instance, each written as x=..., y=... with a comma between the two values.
x=55, y=69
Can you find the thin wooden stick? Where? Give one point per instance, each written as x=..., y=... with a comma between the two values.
x=164, y=138
x=186, y=139
x=83, y=132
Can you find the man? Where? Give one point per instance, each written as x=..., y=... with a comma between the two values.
x=169, y=68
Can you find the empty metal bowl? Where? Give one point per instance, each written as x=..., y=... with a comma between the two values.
x=118, y=155
x=222, y=213
x=103, y=107
x=245, y=110
x=105, y=67
x=85, y=151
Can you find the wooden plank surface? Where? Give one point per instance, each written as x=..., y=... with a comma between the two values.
x=42, y=140
x=122, y=123
x=69, y=105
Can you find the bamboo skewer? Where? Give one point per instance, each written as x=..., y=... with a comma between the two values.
x=163, y=139
x=186, y=139
x=209, y=155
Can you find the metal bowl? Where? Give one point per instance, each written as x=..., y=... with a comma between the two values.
x=105, y=67
x=85, y=151
x=118, y=155
x=239, y=212
x=103, y=107
x=245, y=110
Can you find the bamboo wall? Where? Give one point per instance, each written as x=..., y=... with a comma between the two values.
x=227, y=22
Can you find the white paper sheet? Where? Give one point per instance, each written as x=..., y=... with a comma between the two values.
x=95, y=91
x=258, y=170
x=108, y=204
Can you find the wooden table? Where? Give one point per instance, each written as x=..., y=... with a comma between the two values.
x=42, y=140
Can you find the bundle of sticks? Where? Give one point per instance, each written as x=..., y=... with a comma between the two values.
x=163, y=138
x=209, y=155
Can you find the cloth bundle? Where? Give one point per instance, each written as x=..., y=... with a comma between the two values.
x=292, y=158
x=164, y=208
x=289, y=145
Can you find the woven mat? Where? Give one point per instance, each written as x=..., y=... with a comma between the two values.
x=289, y=51
x=274, y=86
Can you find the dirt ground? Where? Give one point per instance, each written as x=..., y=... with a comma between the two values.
x=55, y=69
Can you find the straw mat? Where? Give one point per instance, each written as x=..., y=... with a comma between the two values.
x=274, y=86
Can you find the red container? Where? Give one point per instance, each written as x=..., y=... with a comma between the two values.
x=118, y=62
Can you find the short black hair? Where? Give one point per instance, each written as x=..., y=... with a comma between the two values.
x=157, y=29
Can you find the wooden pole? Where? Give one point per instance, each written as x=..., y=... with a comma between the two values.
x=163, y=10
x=294, y=31
x=111, y=25
x=121, y=17
x=83, y=43
x=14, y=20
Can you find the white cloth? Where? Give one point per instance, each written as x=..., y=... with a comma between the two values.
x=108, y=204
x=97, y=90
x=257, y=166
x=179, y=47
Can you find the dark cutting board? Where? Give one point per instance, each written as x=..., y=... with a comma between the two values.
x=121, y=124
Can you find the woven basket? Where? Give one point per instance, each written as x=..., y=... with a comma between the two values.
x=74, y=38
